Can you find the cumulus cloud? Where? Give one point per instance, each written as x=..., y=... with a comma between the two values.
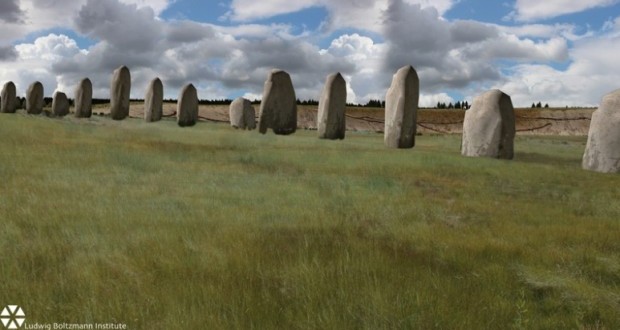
x=455, y=55
x=591, y=75
x=531, y=10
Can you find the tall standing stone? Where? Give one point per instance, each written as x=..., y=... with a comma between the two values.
x=8, y=98
x=60, y=104
x=278, y=109
x=401, y=109
x=84, y=99
x=187, y=106
x=34, y=98
x=242, y=114
x=602, y=152
x=489, y=127
x=154, y=101
x=331, y=120
x=119, y=93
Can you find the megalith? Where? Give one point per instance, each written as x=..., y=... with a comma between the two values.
x=187, y=106
x=34, y=98
x=331, y=120
x=84, y=99
x=401, y=109
x=278, y=109
x=154, y=101
x=60, y=104
x=242, y=114
x=119, y=93
x=489, y=127
x=8, y=98
x=602, y=152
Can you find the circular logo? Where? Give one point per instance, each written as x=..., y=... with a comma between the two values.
x=12, y=317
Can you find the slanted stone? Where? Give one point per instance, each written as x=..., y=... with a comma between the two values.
x=84, y=99
x=401, y=109
x=278, y=109
x=331, y=120
x=34, y=98
x=602, y=152
x=60, y=104
x=489, y=127
x=154, y=101
x=119, y=93
x=8, y=98
x=187, y=106
x=242, y=114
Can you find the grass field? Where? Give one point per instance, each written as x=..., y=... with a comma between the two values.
x=160, y=227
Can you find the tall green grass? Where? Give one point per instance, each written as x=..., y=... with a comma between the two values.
x=161, y=227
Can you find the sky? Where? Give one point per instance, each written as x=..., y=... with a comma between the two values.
x=560, y=52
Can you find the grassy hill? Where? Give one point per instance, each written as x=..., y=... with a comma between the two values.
x=207, y=227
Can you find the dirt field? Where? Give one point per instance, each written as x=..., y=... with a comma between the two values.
x=565, y=122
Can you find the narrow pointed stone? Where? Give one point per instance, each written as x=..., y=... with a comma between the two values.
x=154, y=101
x=489, y=127
x=331, y=120
x=187, y=106
x=9, y=98
x=278, y=109
x=34, y=98
x=401, y=109
x=119, y=93
x=602, y=152
x=84, y=99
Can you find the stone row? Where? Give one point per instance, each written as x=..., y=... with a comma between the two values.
x=488, y=128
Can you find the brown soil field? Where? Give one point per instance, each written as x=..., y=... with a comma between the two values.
x=572, y=121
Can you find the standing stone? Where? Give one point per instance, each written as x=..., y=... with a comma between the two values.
x=8, y=97
x=249, y=115
x=242, y=114
x=603, y=148
x=60, y=104
x=154, y=101
x=84, y=99
x=401, y=109
x=278, y=110
x=187, y=106
x=34, y=98
x=489, y=127
x=331, y=122
x=119, y=93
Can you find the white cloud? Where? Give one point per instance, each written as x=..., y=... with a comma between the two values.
x=531, y=10
x=592, y=74
x=360, y=14
x=431, y=100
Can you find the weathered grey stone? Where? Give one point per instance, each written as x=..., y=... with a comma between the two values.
x=278, y=109
x=60, y=104
x=119, y=93
x=242, y=114
x=602, y=152
x=489, y=127
x=34, y=98
x=249, y=115
x=401, y=109
x=84, y=99
x=331, y=120
x=9, y=98
x=154, y=101
x=187, y=106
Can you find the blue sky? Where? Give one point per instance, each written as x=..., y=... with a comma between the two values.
x=560, y=52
